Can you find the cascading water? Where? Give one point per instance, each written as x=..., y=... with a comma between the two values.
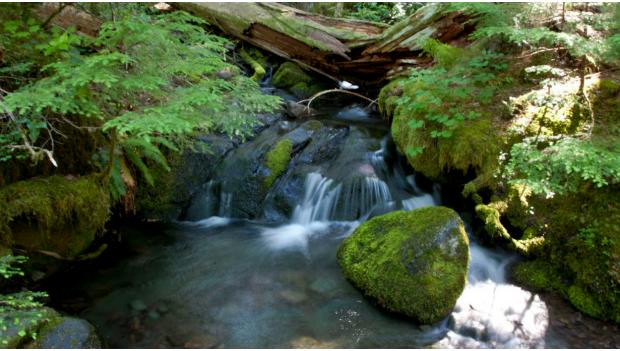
x=238, y=283
x=320, y=195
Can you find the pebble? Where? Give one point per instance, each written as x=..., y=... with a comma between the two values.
x=154, y=315
x=293, y=296
x=137, y=305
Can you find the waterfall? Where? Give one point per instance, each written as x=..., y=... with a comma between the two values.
x=354, y=199
x=213, y=201
x=320, y=196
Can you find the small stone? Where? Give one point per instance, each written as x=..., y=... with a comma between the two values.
x=154, y=315
x=322, y=285
x=293, y=296
x=200, y=342
x=135, y=324
x=137, y=305
x=163, y=309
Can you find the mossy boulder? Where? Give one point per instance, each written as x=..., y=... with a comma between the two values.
x=59, y=214
x=411, y=262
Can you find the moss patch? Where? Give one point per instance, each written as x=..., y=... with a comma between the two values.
x=584, y=301
x=537, y=275
x=290, y=74
x=414, y=262
x=276, y=161
x=474, y=144
x=55, y=213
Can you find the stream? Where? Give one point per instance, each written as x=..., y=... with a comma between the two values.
x=220, y=279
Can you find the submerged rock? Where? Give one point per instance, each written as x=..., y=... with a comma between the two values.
x=414, y=263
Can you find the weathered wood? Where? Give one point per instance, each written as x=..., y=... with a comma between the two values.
x=341, y=49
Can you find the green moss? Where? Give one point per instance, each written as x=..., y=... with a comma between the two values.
x=312, y=125
x=304, y=91
x=537, y=275
x=414, y=263
x=54, y=213
x=473, y=145
x=582, y=232
x=584, y=301
x=259, y=70
x=276, y=161
x=609, y=87
x=290, y=74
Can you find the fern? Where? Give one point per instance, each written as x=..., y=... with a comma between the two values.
x=151, y=84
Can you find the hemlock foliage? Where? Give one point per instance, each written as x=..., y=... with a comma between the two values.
x=152, y=83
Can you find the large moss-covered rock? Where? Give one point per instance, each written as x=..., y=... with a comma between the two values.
x=59, y=214
x=411, y=262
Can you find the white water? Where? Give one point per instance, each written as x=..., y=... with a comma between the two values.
x=320, y=195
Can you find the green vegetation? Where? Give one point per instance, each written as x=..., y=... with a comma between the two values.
x=152, y=84
x=276, y=161
x=542, y=141
x=414, y=263
x=55, y=213
x=21, y=313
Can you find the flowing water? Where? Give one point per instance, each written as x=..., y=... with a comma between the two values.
x=223, y=282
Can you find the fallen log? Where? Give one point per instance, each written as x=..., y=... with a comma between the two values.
x=341, y=49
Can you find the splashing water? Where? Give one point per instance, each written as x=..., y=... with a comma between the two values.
x=493, y=313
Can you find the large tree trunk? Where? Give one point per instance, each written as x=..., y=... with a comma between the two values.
x=341, y=49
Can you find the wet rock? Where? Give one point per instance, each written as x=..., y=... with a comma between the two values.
x=308, y=342
x=154, y=315
x=412, y=262
x=293, y=296
x=299, y=111
x=201, y=342
x=67, y=333
x=323, y=285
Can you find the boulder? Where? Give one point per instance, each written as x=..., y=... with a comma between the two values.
x=53, y=330
x=67, y=333
x=57, y=214
x=411, y=262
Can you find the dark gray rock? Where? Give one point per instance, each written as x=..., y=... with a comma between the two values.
x=67, y=333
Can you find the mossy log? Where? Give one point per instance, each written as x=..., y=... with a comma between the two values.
x=340, y=49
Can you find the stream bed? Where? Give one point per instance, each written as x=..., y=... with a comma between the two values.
x=217, y=279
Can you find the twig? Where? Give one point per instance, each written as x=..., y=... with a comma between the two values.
x=325, y=92
x=537, y=52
